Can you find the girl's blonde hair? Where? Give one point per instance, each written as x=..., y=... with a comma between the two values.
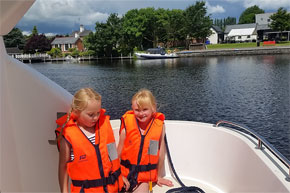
x=145, y=97
x=81, y=98
x=80, y=102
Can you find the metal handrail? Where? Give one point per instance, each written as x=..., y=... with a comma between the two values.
x=261, y=141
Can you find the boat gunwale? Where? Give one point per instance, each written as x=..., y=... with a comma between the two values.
x=261, y=141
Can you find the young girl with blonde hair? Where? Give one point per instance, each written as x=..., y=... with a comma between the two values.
x=87, y=147
x=141, y=146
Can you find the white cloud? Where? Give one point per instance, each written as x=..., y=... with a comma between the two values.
x=233, y=1
x=263, y=4
x=26, y=33
x=214, y=9
x=65, y=12
x=49, y=34
x=65, y=16
x=268, y=4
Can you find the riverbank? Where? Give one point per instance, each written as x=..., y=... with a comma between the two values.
x=234, y=52
x=186, y=53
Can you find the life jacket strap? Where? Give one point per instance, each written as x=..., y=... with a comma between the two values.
x=138, y=168
x=111, y=179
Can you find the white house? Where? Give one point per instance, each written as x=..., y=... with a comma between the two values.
x=216, y=36
x=241, y=33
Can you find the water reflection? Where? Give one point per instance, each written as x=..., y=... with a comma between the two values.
x=168, y=63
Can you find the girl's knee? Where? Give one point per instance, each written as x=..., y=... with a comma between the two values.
x=142, y=187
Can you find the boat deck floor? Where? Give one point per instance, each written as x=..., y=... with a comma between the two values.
x=205, y=187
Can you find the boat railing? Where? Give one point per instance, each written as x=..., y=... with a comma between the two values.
x=261, y=141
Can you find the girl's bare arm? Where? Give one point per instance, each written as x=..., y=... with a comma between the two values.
x=64, y=157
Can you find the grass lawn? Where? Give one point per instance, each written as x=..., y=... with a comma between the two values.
x=242, y=45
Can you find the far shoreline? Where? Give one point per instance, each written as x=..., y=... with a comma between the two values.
x=273, y=50
x=269, y=50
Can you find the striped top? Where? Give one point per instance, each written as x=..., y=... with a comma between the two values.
x=92, y=139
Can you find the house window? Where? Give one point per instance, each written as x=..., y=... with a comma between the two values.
x=268, y=20
x=248, y=36
x=66, y=47
x=261, y=19
x=239, y=37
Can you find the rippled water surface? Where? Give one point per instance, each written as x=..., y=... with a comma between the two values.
x=251, y=90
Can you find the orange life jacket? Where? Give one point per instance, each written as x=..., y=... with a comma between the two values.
x=140, y=154
x=96, y=167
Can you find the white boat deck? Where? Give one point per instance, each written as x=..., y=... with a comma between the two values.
x=187, y=182
x=219, y=159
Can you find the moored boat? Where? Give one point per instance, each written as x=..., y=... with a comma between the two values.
x=214, y=158
x=155, y=53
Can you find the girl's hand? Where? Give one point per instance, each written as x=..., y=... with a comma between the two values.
x=126, y=183
x=163, y=181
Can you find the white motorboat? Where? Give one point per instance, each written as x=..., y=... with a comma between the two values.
x=214, y=158
x=155, y=53
x=155, y=56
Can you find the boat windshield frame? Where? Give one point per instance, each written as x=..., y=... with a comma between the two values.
x=157, y=50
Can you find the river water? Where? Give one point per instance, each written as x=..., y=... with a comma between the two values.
x=250, y=90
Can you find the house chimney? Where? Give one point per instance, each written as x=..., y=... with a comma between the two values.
x=82, y=28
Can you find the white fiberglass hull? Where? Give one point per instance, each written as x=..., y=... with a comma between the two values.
x=155, y=56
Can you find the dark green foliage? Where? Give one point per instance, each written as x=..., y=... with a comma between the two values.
x=222, y=23
x=34, y=31
x=106, y=39
x=55, y=52
x=248, y=16
x=148, y=27
x=197, y=23
x=14, y=38
x=280, y=20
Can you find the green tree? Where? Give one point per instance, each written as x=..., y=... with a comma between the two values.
x=175, y=29
x=87, y=53
x=147, y=27
x=106, y=39
x=198, y=24
x=147, y=19
x=34, y=31
x=133, y=27
x=113, y=35
x=280, y=20
x=75, y=52
x=161, y=28
x=54, y=52
x=14, y=38
x=222, y=23
x=89, y=42
x=248, y=16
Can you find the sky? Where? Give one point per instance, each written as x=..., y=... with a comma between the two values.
x=65, y=16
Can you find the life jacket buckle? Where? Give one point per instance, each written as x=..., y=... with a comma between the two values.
x=86, y=184
x=105, y=181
